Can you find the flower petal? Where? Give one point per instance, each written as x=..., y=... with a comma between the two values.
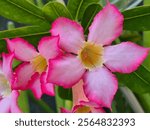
x=48, y=47
x=14, y=108
x=35, y=85
x=65, y=71
x=23, y=73
x=107, y=26
x=5, y=105
x=70, y=32
x=125, y=57
x=22, y=49
x=47, y=88
x=100, y=86
x=7, y=66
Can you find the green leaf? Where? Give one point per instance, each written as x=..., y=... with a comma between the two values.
x=89, y=15
x=24, y=31
x=23, y=101
x=65, y=93
x=138, y=81
x=78, y=7
x=53, y=10
x=21, y=11
x=137, y=18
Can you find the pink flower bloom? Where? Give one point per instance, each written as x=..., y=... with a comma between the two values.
x=80, y=102
x=94, y=60
x=8, y=96
x=33, y=72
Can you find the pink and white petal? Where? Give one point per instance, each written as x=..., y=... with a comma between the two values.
x=14, y=108
x=65, y=71
x=35, y=86
x=71, y=34
x=100, y=86
x=24, y=73
x=125, y=57
x=5, y=105
x=47, y=88
x=7, y=66
x=78, y=93
x=107, y=26
x=23, y=50
x=48, y=47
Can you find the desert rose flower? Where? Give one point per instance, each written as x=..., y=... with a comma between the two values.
x=8, y=96
x=94, y=59
x=32, y=72
x=80, y=102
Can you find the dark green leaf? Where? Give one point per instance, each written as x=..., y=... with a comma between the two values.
x=137, y=18
x=78, y=7
x=65, y=93
x=89, y=15
x=138, y=81
x=21, y=11
x=53, y=10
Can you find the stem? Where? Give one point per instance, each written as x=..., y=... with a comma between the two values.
x=132, y=100
x=10, y=25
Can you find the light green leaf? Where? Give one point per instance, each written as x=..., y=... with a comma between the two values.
x=89, y=15
x=78, y=7
x=138, y=81
x=53, y=10
x=21, y=11
x=137, y=18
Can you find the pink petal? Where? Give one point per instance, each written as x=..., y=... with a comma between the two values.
x=65, y=71
x=70, y=32
x=14, y=108
x=5, y=105
x=100, y=86
x=23, y=73
x=107, y=26
x=22, y=49
x=7, y=66
x=35, y=86
x=48, y=47
x=125, y=57
x=63, y=110
x=47, y=88
x=78, y=93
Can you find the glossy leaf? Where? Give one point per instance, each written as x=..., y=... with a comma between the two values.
x=137, y=18
x=78, y=7
x=21, y=11
x=138, y=81
x=53, y=10
x=89, y=15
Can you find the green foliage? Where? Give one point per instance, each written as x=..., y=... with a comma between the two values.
x=78, y=7
x=138, y=81
x=137, y=19
x=89, y=15
x=53, y=10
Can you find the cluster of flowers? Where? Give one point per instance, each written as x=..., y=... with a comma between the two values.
x=67, y=59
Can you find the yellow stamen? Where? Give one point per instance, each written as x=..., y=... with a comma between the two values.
x=91, y=55
x=39, y=63
x=83, y=109
x=5, y=89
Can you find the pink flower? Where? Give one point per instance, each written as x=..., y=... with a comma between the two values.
x=94, y=60
x=8, y=96
x=80, y=102
x=33, y=72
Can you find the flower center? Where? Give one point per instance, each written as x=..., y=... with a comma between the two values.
x=39, y=63
x=83, y=109
x=5, y=89
x=91, y=55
